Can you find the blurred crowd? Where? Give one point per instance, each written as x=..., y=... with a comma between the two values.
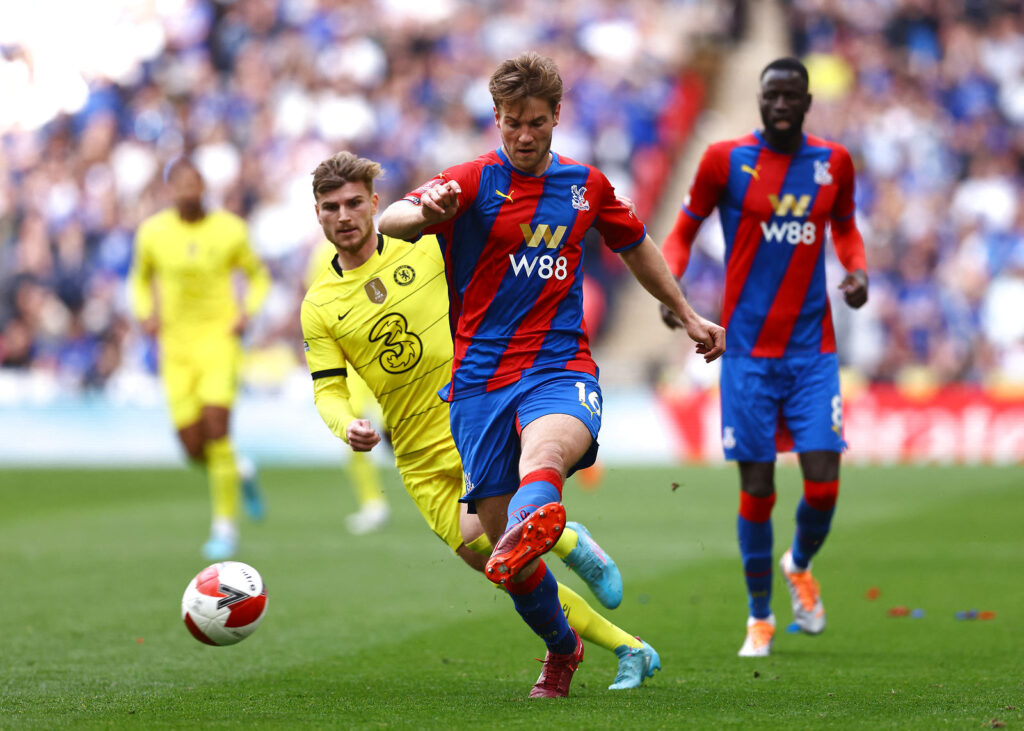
x=927, y=94
x=258, y=92
x=929, y=97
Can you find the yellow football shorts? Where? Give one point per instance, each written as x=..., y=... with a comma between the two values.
x=436, y=487
x=199, y=373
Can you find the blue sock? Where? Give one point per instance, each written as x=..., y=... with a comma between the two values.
x=754, y=528
x=756, y=552
x=536, y=600
x=812, y=528
x=537, y=488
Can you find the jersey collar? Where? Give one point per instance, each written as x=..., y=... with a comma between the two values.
x=341, y=272
x=760, y=138
x=504, y=158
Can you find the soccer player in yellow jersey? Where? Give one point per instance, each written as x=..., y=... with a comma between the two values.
x=381, y=309
x=374, y=510
x=182, y=290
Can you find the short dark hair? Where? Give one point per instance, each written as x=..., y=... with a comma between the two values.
x=528, y=74
x=341, y=168
x=177, y=164
x=787, y=63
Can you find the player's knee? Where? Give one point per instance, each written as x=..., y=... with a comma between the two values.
x=820, y=465
x=555, y=442
x=194, y=446
x=757, y=478
x=548, y=457
x=215, y=428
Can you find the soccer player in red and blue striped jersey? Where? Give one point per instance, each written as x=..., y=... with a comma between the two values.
x=777, y=190
x=525, y=401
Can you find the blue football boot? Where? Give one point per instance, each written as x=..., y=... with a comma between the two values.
x=595, y=567
x=635, y=664
x=219, y=548
x=252, y=498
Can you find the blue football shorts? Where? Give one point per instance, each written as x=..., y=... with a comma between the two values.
x=772, y=405
x=486, y=427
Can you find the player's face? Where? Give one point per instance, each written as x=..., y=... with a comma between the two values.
x=784, y=101
x=526, y=132
x=187, y=190
x=346, y=216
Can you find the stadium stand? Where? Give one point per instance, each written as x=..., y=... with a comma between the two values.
x=929, y=97
x=258, y=92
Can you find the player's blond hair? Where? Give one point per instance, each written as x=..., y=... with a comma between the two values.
x=527, y=75
x=341, y=168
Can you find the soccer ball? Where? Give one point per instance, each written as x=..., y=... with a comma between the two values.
x=224, y=603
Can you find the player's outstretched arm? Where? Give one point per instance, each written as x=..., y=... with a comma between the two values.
x=649, y=267
x=406, y=219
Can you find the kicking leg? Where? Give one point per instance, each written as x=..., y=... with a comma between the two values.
x=637, y=659
x=551, y=445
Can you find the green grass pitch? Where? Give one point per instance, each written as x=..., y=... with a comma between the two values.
x=391, y=631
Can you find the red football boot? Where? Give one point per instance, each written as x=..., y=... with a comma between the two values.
x=556, y=675
x=525, y=541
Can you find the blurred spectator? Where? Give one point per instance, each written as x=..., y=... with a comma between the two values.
x=929, y=98
x=257, y=92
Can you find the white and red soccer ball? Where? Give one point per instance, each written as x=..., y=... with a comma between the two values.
x=224, y=603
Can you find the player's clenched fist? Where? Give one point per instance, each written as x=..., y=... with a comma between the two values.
x=362, y=437
x=441, y=201
x=710, y=338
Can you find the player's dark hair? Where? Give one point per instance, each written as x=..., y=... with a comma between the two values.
x=176, y=165
x=787, y=63
x=341, y=168
x=528, y=74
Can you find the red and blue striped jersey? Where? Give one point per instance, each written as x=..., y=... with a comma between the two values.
x=774, y=210
x=514, y=263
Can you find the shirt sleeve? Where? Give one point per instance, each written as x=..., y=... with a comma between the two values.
x=328, y=368
x=467, y=175
x=256, y=272
x=140, y=278
x=620, y=229
x=846, y=238
x=705, y=192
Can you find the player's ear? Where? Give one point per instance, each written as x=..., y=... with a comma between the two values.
x=374, y=203
x=808, y=105
x=557, y=112
x=497, y=118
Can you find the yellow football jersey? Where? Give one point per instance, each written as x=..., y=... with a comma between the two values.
x=359, y=394
x=388, y=320
x=192, y=264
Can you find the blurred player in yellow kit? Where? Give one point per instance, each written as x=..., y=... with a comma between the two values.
x=183, y=291
x=373, y=510
x=381, y=308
